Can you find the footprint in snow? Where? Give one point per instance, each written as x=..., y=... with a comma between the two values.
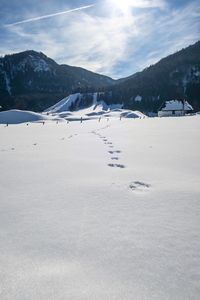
x=116, y=166
x=112, y=152
x=139, y=186
x=107, y=143
x=105, y=127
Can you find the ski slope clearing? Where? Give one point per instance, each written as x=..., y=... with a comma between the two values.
x=100, y=210
x=20, y=116
x=99, y=109
x=64, y=104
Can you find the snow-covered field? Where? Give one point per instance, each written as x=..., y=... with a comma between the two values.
x=100, y=210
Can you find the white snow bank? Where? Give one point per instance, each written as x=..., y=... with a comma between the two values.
x=92, y=113
x=133, y=114
x=20, y=116
x=63, y=114
x=122, y=113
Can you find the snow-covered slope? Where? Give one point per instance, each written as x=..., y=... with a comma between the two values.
x=96, y=110
x=100, y=210
x=19, y=116
x=64, y=104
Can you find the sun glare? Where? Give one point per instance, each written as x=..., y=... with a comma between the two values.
x=122, y=4
x=125, y=5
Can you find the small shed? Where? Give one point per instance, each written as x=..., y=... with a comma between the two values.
x=138, y=98
x=175, y=108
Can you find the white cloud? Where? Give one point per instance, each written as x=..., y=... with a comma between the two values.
x=93, y=42
x=100, y=42
x=104, y=38
x=169, y=33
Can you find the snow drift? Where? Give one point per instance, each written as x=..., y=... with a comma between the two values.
x=20, y=116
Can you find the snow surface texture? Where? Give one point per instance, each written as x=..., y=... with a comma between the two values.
x=100, y=210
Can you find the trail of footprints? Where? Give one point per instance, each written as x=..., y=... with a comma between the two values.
x=135, y=186
x=113, y=153
x=36, y=144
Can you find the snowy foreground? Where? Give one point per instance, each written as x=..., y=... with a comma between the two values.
x=100, y=210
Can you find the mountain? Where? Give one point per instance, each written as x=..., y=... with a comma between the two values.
x=31, y=80
x=174, y=77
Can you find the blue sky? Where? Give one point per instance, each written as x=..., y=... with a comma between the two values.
x=113, y=37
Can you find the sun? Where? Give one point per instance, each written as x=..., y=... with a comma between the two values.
x=123, y=5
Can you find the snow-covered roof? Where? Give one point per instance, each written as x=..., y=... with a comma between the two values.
x=176, y=105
